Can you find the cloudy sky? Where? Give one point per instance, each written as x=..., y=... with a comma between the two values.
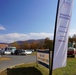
x=30, y=19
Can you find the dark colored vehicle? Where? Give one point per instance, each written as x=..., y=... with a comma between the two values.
x=71, y=52
x=18, y=52
x=0, y=53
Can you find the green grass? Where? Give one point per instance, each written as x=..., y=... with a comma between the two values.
x=33, y=53
x=26, y=69
x=32, y=69
x=70, y=69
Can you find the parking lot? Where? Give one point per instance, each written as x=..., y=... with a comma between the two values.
x=15, y=60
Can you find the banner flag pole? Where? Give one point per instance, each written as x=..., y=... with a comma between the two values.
x=54, y=38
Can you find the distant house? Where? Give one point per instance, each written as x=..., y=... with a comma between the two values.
x=3, y=45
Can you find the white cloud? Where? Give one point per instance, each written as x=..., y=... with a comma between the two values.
x=72, y=32
x=2, y=28
x=41, y=35
x=11, y=37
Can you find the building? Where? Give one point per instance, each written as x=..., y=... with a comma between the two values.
x=3, y=45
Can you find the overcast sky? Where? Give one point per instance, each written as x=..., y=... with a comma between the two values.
x=30, y=19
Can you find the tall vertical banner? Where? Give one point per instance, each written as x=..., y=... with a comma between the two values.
x=61, y=35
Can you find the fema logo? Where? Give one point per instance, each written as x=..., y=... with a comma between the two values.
x=67, y=2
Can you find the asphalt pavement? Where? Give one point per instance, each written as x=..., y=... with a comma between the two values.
x=15, y=60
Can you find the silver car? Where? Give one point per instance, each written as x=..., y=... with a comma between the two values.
x=26, y=52
x=23, y=52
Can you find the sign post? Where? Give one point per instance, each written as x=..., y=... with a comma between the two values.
x=43, y=58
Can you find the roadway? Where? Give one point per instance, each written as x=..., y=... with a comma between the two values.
x=15, y=60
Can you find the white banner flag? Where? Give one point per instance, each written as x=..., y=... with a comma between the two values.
x=62, y=30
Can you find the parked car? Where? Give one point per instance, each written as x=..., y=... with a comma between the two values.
x=0, y=52
x=7, y=52
x=18, y=52
x=23, y=52
x=71, y=52
x=28, y=51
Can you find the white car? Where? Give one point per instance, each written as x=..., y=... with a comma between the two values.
x=28, y=52
x=25, y=52
x=7, y=52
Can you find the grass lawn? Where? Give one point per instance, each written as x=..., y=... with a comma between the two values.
x=33, y=53
x=70, y=69
x=26, y=69
x=32, y=69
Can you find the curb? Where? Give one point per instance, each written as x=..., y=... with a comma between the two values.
x=10, y=67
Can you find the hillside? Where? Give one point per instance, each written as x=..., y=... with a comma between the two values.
x=30, y=41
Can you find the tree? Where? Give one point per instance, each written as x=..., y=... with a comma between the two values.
x=48, y=44
x=25, y=45
x=34, y=45
x=16, y=45
x=40, y=44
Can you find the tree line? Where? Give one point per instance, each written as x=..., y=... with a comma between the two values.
x=42, y=44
